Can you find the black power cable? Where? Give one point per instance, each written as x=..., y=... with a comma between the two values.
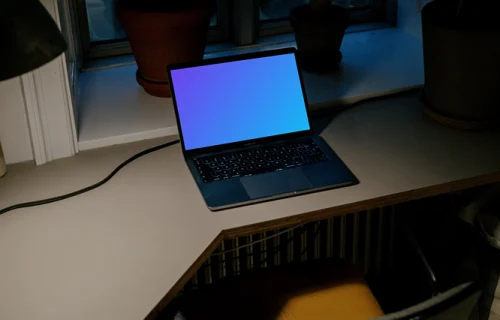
x=89, y=188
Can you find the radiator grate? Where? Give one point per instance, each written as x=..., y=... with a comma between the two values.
x=363, y=238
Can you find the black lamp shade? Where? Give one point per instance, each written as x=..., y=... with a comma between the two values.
x=29, y=38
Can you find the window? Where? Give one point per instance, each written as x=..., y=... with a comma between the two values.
x=273, y=14
x=102, y=34
x=237, y=21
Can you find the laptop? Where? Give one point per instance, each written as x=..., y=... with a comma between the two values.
x=246, y=132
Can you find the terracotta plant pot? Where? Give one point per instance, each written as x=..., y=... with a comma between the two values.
x=161, y=38
x=319, y=37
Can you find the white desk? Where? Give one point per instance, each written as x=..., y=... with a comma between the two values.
x=115, y=252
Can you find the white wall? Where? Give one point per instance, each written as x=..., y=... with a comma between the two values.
x=36, y=114
x=14, y=133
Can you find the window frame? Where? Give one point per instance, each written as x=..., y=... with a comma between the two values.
x=247, y=34
x=238, y=22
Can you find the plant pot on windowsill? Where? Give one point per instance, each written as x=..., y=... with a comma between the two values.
x=319, y=29
x=462, y=62
x=164, y=32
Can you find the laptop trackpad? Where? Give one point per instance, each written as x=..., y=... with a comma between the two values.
x=275, y=183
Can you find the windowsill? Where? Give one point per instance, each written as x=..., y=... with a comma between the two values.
x=114, y=109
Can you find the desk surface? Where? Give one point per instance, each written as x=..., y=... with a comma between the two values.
x=115, y=252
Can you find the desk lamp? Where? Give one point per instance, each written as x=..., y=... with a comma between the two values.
x=29, y=39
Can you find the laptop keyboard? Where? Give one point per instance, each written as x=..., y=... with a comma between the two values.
x=258, y=160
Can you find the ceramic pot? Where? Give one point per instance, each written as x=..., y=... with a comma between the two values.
x=161, y=38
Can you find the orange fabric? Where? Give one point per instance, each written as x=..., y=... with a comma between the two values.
x=311, y=291
x=347, y=301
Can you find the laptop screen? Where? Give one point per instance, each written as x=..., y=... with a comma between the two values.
x=239, y=100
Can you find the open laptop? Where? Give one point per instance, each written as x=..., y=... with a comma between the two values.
x=245, y=130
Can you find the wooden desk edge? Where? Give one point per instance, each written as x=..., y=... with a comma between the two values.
x=315, y=216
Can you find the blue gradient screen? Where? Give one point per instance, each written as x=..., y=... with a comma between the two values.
x=239, y=100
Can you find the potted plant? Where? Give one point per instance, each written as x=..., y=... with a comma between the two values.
x=461, y=40
x=319, y=29
x=162, y=32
